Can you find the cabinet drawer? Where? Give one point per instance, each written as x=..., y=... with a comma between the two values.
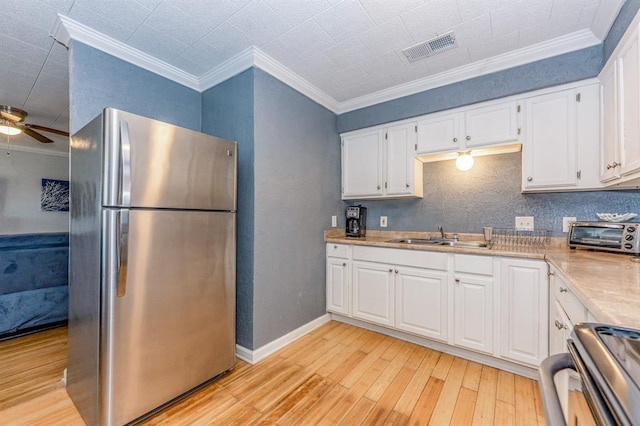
x=418, y=259
x=338, y=250
x=472, y=264
x=574, y=308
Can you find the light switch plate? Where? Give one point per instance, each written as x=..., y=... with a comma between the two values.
x=524, y=223
x=383, y=221
x=334, y=221
x=565, y=223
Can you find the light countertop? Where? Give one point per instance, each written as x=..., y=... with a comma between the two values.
x=608, y=284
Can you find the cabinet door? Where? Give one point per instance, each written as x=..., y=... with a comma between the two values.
x=559, y=330
x=373, y=292
x=549, y=153
x=338, y=286
x=629, y=92
x=492, y=124
x=362, y=165
x=438, y=133
x=609, y=143
x=400, y=154
x=473, y=312
x=421, y=302
x=524, y=294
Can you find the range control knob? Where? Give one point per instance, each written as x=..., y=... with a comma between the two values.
x=628, y=246
x=628, y=237
x=631, y=229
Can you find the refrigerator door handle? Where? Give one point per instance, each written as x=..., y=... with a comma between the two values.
x=125, y=164
x=122, y=251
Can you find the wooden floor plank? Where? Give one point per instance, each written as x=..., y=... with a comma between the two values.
x=426, y=402
x=449, y=395
x=388, y=381
x=506, y=387
x=484, y=412
x=463, y=411
x=525, y=404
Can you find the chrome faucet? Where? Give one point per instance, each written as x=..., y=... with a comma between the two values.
x=441, y=232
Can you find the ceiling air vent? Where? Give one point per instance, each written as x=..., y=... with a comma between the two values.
x=430, y=47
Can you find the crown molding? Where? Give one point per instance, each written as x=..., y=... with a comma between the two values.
x=569, y=43
x=15, y=147
x=254, y=57
x=269, y=65
x=66, y=29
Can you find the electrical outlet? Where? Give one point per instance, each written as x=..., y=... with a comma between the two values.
x=524, y=223
x=334, y=221
x=383, y=221
x=565, y=223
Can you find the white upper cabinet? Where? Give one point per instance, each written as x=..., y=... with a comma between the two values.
x=629, y=95
x=381, y=164
x=550, y=150
x=362, y=164
x=562, y=134
x=439, y=133
x=610, y=139
x=493, y=124
x=620, y=87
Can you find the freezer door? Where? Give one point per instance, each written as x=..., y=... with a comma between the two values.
x=153, y=164
x=169, y=313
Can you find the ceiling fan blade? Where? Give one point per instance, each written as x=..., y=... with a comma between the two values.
x=36, y=135
x=46, y=129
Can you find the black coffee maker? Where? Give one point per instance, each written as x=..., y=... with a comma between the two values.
x=356, y=221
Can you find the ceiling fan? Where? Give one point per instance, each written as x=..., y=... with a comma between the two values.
x=12, y=123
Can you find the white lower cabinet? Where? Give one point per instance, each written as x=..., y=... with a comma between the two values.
x=524, y=297
x=338, y=278
x=492, y=305
x=421, y=302
x=373, y=292
x=473, y=302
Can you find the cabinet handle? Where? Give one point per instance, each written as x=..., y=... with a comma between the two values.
x=335, y=247
x=396, y=271
x=455, y=140
x=616, y=164
x=609, y=167
x=529, y=179
x=378, y=186
x=468, y=138
x=563, y=290
x=407, y=185
x=457, y=280
x=390, y=270
x=550, y=274
x=344, y=264
x=560, y=325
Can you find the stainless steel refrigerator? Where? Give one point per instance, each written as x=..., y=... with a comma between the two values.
x=152, y=264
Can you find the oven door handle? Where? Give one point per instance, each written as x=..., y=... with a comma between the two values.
x=548, y=391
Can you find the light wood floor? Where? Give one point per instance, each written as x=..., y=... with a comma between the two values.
x=338, y=374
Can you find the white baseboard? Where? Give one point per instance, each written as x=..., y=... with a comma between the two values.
x=253, y=356
x=511, y=367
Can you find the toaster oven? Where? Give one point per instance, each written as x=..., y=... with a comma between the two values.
x=616, y=237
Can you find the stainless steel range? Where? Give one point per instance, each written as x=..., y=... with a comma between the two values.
x=607, y=359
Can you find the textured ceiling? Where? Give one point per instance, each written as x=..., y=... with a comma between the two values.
x=346, y=48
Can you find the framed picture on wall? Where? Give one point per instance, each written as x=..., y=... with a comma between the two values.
x=55, y=195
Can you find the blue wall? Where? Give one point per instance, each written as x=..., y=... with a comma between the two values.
x=489, y=195
x=297, y=189
x=289, y=184
x=98, y=80
x=626, y=15
x=228, y=112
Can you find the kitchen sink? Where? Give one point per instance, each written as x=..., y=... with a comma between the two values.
x=415, y=241
x=439, y=242
x=471, y=244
